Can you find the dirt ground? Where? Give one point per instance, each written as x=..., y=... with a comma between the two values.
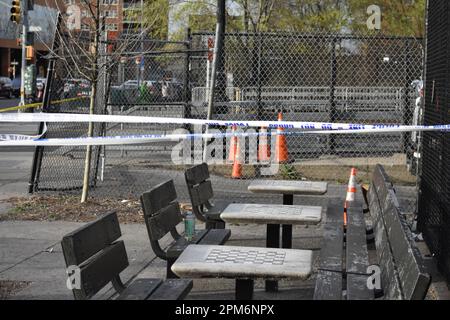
x=9, y=288
x=69, y=208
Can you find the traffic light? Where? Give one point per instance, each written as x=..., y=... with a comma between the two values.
x=29, y=53
x=15, y=11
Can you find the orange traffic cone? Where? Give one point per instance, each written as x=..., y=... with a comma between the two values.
x=263, y=148
x=233, y=145
x=281, y=150
x=237, y=164
x=351, y=192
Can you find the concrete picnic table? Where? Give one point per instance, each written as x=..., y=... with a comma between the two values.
x=271, y=214
x=245, y=264
x=287, y=188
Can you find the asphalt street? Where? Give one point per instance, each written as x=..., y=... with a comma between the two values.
x=6, y=103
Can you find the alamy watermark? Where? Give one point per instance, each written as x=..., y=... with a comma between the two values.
x=218, y=149
x=374, y=280
x=374, y=20
x=73, y=277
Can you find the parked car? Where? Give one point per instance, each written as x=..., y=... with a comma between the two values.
x=171, y=90
x=6, y=87
x=76, y=88
x=16, y=82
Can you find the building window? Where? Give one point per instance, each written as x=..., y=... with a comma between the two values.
x=111, y=27
x=110, y=2
x=69, y=2
x=111, y=13
x=85, y=27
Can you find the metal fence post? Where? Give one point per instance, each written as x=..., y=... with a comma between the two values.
x=407, y=98
x=37, y=155
x=187, y=81
x=333, y=76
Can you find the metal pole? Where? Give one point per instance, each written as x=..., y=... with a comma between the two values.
x=187, y=80
x=218, y=50
x=140, y=71
x=38, y=152
x=333, y=111
x=24, y=51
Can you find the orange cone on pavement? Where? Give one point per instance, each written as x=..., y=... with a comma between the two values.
x=263, y=148
x=351, y=192
x=233, y=145
x=237, y=164
x=281, y=150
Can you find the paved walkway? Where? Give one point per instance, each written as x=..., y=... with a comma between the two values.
x=31, y=252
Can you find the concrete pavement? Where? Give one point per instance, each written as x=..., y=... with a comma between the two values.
x=31, y=252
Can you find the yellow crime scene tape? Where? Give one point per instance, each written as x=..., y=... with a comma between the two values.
x=38, y=104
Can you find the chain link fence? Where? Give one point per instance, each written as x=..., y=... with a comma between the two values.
x=322, y=78
x=66, y=91
x=434, y=200
x=302, y=77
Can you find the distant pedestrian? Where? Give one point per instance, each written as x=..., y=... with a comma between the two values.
x=165, y=90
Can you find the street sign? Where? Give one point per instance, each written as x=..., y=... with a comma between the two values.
x=30, y=80
x=35, y=29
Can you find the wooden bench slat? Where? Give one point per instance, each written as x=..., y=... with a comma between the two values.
x=97, y=271
x=357, y=257
x=86, y=241
x=214, y=212
x=201, y=193
x=173, y=289
x=374, y=204
x=382, y=181
x=389, y=276
x=178, y=247
x=197, y=174
x=328, y=285
x=140, y=289
x=413, y=277
x=159, y=197
x=158, y=225
x=357, y=287
x=331, y=253
x=216, y=236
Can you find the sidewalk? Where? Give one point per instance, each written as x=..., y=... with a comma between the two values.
x=31, y=252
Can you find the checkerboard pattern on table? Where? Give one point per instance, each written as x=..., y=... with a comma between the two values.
x=246, y=256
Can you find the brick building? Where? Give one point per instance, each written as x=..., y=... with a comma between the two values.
x=120, y=15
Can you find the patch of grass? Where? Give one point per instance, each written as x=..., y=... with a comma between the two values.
x=289, y=172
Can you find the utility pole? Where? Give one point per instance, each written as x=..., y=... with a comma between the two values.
x=217, y=69
x=24, y=51
x=19, y=13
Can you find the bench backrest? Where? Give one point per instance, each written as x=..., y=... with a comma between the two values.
x=199, y=187
x=93, y=249
x=161, y=210
x=403, y=273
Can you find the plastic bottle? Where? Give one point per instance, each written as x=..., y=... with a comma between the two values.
x=189, y=226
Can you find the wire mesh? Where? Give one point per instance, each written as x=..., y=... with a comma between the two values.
x=302, y=77
x=434, y=216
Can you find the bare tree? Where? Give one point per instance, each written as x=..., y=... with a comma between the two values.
x=87, y=51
